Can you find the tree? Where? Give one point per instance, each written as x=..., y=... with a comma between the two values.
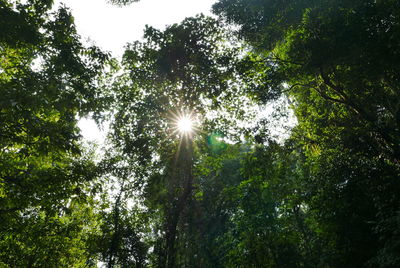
x=309, y=42
x=182, y=70
x=338, y=60
x=47, y=80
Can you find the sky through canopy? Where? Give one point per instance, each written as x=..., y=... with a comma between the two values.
x=111, y=27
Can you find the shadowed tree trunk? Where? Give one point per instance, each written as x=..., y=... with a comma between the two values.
x=184, y=180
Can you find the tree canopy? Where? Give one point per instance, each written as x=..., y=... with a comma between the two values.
x=224, y=191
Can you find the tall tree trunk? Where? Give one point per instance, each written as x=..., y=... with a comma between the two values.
x=178, y=205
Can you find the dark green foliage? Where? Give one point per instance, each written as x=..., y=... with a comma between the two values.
x=47, y=79
x=120, y=242
x=340, y=62
x=328, y=196
x=184, y=69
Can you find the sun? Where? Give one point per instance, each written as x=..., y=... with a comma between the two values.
x=185, y=124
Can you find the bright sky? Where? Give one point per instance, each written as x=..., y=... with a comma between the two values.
x=111, y=28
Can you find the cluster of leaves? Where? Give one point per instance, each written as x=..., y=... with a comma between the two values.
x=47, y=79
x=339, y=60
x=122, y=2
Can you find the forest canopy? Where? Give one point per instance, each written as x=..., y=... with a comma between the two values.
x=192, y=173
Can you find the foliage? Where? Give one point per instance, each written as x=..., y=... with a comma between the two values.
x=122, y=2
x=226, y=194
x=184, y=69
x=47, y=80
x=339, y=62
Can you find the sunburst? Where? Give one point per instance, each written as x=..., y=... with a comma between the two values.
x=184, y=124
